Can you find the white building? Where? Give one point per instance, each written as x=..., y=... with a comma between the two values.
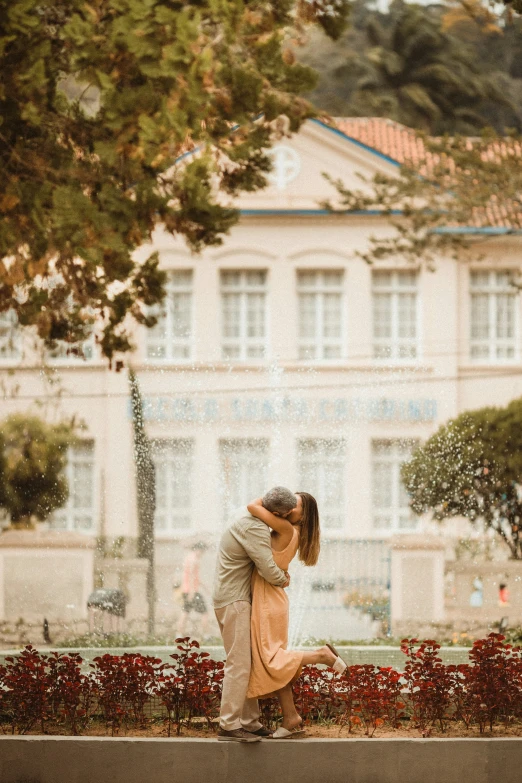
x=283, y=358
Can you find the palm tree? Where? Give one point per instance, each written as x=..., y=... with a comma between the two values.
x=418, y=74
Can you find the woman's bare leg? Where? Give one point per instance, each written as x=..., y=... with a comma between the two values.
x=291, y=719
x=321, y=655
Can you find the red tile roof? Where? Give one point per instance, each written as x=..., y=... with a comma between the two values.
x=393, y=139
x=403, y=145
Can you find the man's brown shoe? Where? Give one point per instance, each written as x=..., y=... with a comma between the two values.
x=236, y=735
x=263, y=732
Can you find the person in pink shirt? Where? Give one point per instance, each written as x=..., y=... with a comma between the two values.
x=503, y=595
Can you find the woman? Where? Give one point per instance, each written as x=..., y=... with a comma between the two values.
x=274, y=668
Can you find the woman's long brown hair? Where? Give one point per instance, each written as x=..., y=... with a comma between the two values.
x=310, y=534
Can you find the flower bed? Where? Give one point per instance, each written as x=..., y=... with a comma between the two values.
x=133, y=692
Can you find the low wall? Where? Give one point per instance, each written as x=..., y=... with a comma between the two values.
x=128, y=760
x=45, y=573
x=492, y=575
x=379, y=655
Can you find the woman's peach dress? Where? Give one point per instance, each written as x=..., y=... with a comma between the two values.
x=273, y=666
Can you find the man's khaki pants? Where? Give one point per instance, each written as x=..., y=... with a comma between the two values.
x=236, y=710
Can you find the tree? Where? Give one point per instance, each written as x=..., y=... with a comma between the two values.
x=145, y=494
x=420, y=75
x=34, y=455
x=495, y=39
x=472, y=467
x=382, y=62
x=459, y=187
x=100, y=104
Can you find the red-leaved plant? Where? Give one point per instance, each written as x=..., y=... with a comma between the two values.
x=494, y=684
x=313, y=694
x=202, y=683
x=429, y=683
x=26, y=687
x=373, y=696
x=190, y=685
x=71, y=693
x=108, y=679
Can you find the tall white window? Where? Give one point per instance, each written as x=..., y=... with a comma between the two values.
x=244, y=464
x=391, y=511
x=171, y=338
x=320, y=314
x=322, y=472
x=9, y=336
x=493, y=316
x=395, y=314
x=243, y=310
x=79, y=511
x=173, y=460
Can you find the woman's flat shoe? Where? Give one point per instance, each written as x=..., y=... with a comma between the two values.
x=282, y=733
x=338, y=665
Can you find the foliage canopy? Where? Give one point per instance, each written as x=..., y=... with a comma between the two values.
x=33, y=459
x=419, y=74
x=472, y=467
x=99, y=102
x=453, y=67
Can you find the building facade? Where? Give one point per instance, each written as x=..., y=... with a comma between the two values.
x=282, y=358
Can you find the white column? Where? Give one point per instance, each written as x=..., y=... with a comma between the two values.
x=417, y=580
x=282, y=303
x=207, y=501
x=206, y=310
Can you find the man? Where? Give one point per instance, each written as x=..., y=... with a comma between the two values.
x=245, y=545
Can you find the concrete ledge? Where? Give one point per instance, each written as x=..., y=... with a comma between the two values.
x=131, y=760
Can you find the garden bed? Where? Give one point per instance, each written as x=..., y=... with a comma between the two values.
x=140, y=695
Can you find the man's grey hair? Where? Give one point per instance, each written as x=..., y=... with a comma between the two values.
x=279, y=500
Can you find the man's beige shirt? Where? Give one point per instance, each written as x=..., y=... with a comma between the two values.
x=244, y=545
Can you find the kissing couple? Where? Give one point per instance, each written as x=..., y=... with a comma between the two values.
x=251, y=608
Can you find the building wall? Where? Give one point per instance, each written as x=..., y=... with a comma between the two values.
x=280, y=398
x=208, y=399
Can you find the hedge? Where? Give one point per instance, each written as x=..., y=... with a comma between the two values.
x=42, y=691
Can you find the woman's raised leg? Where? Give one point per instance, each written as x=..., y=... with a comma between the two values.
x=291, y=719
x=321, y=655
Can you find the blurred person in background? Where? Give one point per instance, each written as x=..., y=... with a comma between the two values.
x=503, y=594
